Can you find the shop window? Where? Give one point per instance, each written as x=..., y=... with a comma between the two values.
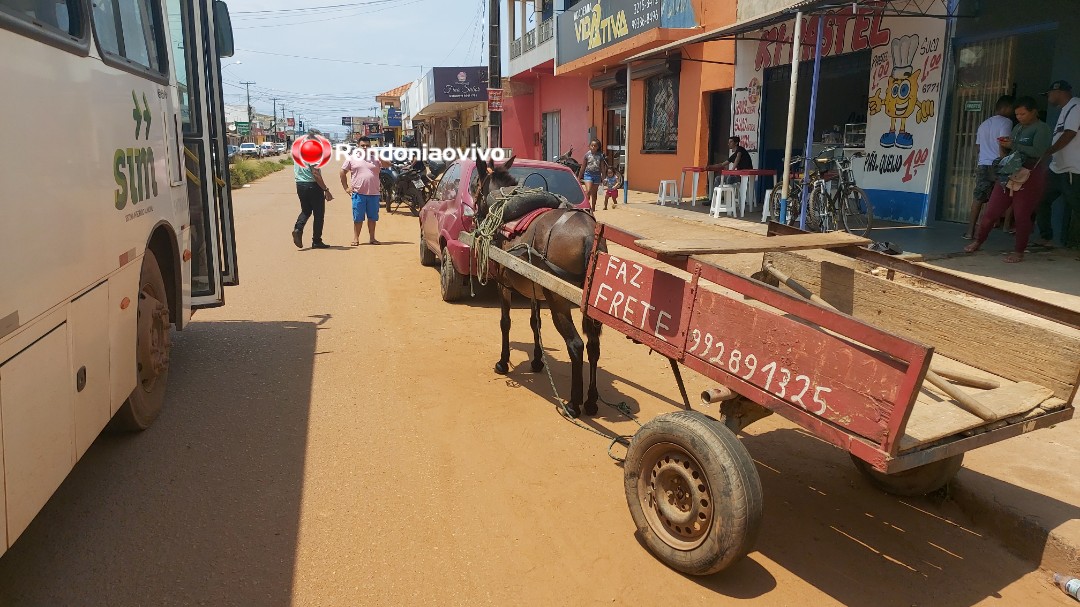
x=662, y=113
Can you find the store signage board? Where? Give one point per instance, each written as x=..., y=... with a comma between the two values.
x=597, y=24
x=973, y=105
x=457, y=84
x=243, y=128
x=495, y=100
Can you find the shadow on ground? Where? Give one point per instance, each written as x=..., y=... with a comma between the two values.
x=202, y=508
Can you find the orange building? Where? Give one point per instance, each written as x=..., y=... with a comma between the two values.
x=674, y=111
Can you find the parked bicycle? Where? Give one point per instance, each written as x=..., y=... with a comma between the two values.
x=835, y=201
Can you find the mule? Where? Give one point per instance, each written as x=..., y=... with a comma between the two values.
x=560, y=239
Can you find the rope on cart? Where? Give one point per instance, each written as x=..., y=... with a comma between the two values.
x=484, y=234
x=622, y=407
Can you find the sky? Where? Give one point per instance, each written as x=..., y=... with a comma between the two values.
x=325, y=59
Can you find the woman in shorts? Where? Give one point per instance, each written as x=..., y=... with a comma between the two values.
x=592, y=170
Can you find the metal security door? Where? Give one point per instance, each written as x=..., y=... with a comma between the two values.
x=985, y=71
x=551, y=143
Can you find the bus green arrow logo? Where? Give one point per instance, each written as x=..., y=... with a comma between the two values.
x=141, y=116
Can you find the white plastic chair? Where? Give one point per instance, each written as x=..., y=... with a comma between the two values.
x=766, y=208
x=724, y=200
x=668, y=193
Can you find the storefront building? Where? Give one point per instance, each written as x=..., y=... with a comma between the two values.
x=652, y=119
x=390, y=106
x=447, y=108
x=904, y=82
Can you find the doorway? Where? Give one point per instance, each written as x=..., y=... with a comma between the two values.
x=985, y=70
x=550, y=126
x=719, y=125
x=615, y=126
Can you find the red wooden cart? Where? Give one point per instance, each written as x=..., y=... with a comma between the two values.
x=692, y=489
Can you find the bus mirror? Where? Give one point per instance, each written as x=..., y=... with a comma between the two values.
x=223, y=29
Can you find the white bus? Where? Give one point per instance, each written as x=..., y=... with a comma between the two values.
x=116, y=221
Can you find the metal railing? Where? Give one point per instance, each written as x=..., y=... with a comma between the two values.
x=515, y=48
x=530, y=40
x=547, y=30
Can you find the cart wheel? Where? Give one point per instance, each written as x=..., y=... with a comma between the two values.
x=916, y=481
x=693, y=492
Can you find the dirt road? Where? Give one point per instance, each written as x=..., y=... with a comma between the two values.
x=335, y=435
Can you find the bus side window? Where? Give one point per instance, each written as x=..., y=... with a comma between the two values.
x=130, y=29
x=59, y=15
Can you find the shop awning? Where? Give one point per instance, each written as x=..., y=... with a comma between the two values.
x=772, y=18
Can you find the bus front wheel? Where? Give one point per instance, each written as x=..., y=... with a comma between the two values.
x=152, y=349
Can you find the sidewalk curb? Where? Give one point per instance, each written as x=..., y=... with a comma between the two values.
x=1024, y=534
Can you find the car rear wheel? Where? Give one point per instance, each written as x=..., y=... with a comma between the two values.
x=451, y=282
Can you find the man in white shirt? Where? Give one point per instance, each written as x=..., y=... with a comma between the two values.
x=1064, y=181
x=997, y=126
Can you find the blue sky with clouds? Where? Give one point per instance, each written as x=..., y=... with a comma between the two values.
x=324, y=59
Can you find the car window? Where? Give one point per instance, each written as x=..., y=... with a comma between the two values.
x=449, y=182
x=560, y=182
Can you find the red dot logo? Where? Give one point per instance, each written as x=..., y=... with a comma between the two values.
x=311, y=150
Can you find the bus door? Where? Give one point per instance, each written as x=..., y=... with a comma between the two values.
x=200, y=34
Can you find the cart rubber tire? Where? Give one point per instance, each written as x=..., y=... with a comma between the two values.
x=674, y=451
x=144, y=404
x=914, y=482
x=427, y=256
x=451, y=282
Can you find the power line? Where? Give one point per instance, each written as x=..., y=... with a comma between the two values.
x=313, y=8
x=329, y=59
x=337, y=18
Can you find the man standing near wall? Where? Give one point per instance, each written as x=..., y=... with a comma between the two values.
x=1064, y=169
x=993, y=128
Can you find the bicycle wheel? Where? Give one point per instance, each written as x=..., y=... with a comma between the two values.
x=856, y=212
x=774, y=206
x=817, y=215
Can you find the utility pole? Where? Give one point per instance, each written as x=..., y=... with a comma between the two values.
x=247, y=85
x=273, y=119
x=494, y=71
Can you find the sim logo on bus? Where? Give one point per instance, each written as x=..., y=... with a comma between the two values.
x=311, y=150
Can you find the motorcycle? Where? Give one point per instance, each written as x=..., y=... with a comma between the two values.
x=567, y=160
x=401, y=184
x=430, y=176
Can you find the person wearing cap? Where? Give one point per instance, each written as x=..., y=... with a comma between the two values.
x=1064, y=182
x=313, y=194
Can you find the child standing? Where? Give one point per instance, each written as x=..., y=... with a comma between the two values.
x=612, y=183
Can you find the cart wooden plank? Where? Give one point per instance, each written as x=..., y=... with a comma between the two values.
x=1007, y=347
x=751, y=243
x=935, y=416
x=541, y=277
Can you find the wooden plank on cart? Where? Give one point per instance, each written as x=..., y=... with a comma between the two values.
x=752, y=243
x=1004, y=346
x=934, y=417
x=543, y=278
x=779, y=361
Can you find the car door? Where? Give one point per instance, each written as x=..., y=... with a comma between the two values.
x=433, y=212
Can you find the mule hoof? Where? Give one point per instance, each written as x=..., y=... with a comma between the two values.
x=502, y=368
x=571, y=410
x=537, y=366
x=590, y=408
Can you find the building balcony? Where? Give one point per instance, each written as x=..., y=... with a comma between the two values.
x=537, y=46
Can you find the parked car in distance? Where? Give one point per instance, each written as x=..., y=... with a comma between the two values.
x=249, y=149
x=452, y=210
x=233, y=150
x=268, y=148
x=280, y=147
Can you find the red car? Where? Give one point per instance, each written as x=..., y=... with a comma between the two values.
x=452, y=209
